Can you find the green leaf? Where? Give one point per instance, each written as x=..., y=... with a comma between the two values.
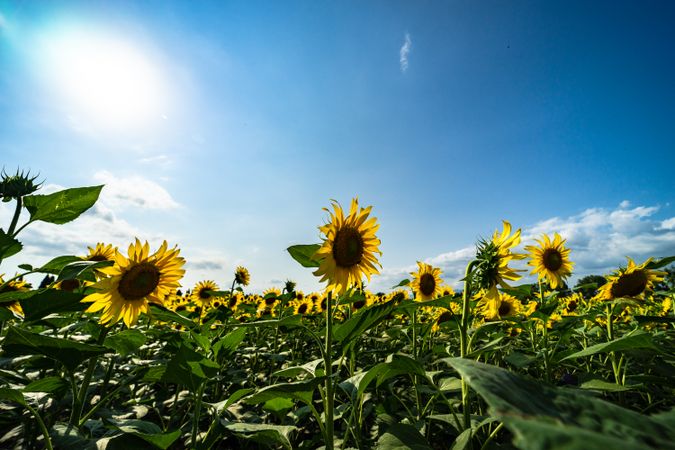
x=262, y=433
x=76, y=269
x=279, y=406
x=148, y=431
x=543, y=417
x=298, y=390
x=235, y=397
x=401, y=437
x=12, y=395
x=50, y=385
x=304, y=253
x=57, y=264
x=398, y=365
x=362, y=321
x=634, y=340
x=653, y=265
x=20, y=342
x=602, y=385
x=189, y=368
x=403, y=282
x=50, y=301
x=125, y=342
x=63, y=206
x=13, y=296
x=230, y=342
x=166, y=315
x=8, y=245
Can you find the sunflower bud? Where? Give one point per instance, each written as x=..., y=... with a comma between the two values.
x=17, y=185
x=289, y=286
x=487, y=266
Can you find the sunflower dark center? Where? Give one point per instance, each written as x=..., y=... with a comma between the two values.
x=444, y=317
x=630, y=285
x=204, y=293
x=359, y=304
x=302, y=309
x=70, y=285
x=552, y=259
x=269, y=301
x=97, y=258
x=427, y=284
x=505, y=309
x=139, y=281
x=347, y=247
x=572, y=306
x=233, y=302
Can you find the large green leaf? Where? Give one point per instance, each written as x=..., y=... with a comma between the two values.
x=189, y=368
x=402, y=437
x=125, y=342
x=50, y=385
x=20, y=342
x=12, y=395
x=166, y=315
x=304, y=253
x=262, y=433
x=8, y=245
x=663, y=262
x=51, y=301
x=76, y=269
x=148, y=431
x=634, y=340
x=545, y=417
x=362, y=321
x=397, y=365
x=63, y=206
x=230, y=342
x=298, y=390
x=57, y=264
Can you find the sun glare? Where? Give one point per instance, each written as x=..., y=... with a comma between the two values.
x=104, y=80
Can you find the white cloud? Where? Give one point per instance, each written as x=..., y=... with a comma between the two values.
x=156, y=160
x=624, y=204
x=600, y=240
x=134, y=191
x=404, y=52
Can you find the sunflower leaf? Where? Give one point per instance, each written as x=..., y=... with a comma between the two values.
x=8, y=245
x=304, y=254
x=402, y=436
x=262, y=433
x=653, y=265
x=634, y=340
x=359, y=323
x=20, y=342
x=43, y=303
x=62, y=206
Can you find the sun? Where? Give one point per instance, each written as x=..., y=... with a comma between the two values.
x=104, y=79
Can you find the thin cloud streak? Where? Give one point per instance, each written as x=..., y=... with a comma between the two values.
x=404, y=52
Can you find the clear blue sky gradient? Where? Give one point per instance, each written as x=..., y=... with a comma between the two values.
x=519, y=110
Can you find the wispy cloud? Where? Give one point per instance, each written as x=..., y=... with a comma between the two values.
x=404, y=52
x=135, y=191
x=600, y=240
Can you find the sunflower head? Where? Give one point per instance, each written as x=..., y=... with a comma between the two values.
x=496, y=305
x=302, y=306
x=632, y=281
x=551, y=260
x=17, y=185
x=202, y=293
x=348, y=249
x=427, y=282
x=493, y=257
x=241, y=276
x=135, y=281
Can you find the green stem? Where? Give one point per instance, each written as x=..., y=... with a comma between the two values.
x=43, y=428
x=616, y=367
x=15, y=219
x=78, y=405
x=328, y=362
x=547, y=369
x=464, y=341
x=492, y=435
x=195, y=416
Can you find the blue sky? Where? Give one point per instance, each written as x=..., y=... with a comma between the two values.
x=226, y=127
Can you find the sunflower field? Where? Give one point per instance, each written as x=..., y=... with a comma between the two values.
x=110, y=351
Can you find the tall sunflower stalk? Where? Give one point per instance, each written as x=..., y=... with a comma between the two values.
x=347, y=254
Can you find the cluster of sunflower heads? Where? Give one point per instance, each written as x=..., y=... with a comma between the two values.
x=17, y=185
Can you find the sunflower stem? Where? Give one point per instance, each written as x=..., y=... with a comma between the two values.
x=15, y=219
x=464, y=341
x=547, y=368
x=41, y=424
x=328, y=362
x=78, y=404
x=196, y=414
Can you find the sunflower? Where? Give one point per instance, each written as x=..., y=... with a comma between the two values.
x=631, y=281
x=493, y=258
x=503, y=305
x=102, y=252
x=201, y=293
x=426, y=283
x=550, y=260
x=234, y=300
x=447, y=291
x=442, y=315
x=302, y=306
x=348, y=249
x=241, y=276
x=135, y=281
x=17, y=285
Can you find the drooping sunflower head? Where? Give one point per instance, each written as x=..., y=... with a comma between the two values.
x=202, y=293
x=135, y=281
x=632, y=281
x=427, y=282
x=493, y=258
x=496, y=305
x=551, y=260
x=241, y=276
x=348, y=251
